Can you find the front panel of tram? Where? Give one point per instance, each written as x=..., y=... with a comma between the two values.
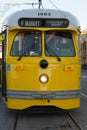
x=41, y=66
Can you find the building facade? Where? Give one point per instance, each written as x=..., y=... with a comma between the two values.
x=84, y=48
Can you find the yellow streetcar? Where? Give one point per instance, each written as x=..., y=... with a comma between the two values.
x=40, y=60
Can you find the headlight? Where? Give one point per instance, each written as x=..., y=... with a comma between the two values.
x=43, y=78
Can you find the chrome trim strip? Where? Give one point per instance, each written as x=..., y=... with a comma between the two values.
x=43, y=94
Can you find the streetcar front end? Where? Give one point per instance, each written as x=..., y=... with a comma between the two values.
x=41, y=64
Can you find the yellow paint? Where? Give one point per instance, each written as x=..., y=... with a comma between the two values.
x=64, y=104
x=24, y=75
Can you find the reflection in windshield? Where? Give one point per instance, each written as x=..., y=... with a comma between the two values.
x=27, y=43
x=59, y=44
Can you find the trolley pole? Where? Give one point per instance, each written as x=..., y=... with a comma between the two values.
x=40, y=3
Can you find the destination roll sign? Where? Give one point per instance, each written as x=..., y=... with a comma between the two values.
x=28, y=22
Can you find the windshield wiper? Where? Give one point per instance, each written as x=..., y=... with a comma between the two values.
x=30, y=47
x=51, y=52
x=19, y=58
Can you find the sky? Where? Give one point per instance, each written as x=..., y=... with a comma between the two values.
x=76, y=7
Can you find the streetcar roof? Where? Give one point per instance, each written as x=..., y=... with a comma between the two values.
x=12, y=19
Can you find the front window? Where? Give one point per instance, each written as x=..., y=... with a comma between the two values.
x=27, y=43
x=59, y=44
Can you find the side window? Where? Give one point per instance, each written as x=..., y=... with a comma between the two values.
x=27, y=43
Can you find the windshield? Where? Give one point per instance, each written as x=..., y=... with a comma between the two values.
x=27, y=43
x=59, y=44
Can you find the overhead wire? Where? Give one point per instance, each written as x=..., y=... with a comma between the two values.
x=60, y=11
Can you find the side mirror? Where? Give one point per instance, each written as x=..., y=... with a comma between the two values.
x=1, y=38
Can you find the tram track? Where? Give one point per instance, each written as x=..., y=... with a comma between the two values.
x=82, y=94
x=45, y=120
x=15, y=122
x=75, y=121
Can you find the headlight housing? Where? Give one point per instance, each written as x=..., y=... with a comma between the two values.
x=43, y=78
